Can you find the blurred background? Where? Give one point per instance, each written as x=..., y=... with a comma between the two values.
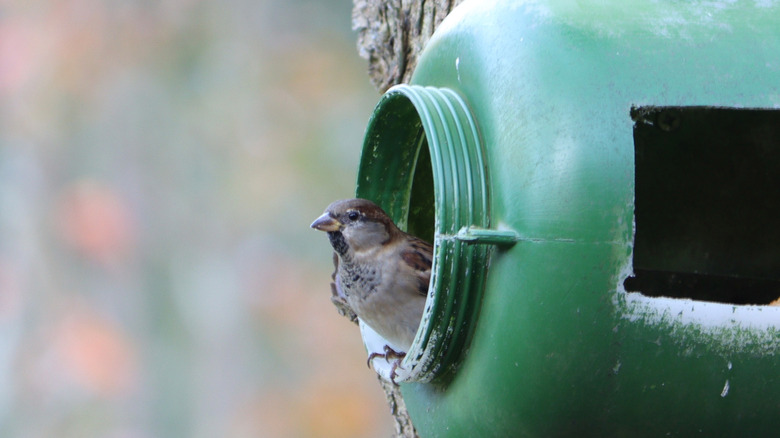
x=160, y=163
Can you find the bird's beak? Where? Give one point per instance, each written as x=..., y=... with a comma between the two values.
x=326, y=223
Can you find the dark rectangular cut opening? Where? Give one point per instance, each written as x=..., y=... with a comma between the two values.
x=707, y=204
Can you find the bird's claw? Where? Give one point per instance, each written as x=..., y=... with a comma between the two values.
x=393, y=374
x=389, y=354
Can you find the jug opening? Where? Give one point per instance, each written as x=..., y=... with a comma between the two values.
x=423, y=162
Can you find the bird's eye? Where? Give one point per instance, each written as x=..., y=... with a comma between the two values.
x=353, y=215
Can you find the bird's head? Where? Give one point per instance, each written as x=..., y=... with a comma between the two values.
x=361, y=223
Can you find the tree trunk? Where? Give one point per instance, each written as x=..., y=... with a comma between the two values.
x=391, y=35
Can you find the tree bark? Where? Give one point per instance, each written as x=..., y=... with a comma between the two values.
x=392, y=33
x=391, y=36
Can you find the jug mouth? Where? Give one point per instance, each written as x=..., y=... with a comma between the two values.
x=423, y=162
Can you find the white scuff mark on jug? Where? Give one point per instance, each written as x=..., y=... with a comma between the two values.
x=725, y=389
x=729, y=328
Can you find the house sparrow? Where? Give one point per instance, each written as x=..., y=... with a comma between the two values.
x=381, y=272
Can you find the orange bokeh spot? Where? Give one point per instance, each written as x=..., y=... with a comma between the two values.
x=95, y=220
x=96, y=355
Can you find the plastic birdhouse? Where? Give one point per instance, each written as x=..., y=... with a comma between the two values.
x=602, y=184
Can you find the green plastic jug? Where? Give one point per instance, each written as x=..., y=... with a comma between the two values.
x=600, y=180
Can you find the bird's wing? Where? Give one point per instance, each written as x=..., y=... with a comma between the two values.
x=418, y=256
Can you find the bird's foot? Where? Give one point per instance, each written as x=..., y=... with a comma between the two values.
x=393, y=374
x=389, y=355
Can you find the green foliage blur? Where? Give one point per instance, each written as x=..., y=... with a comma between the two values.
x=160, y=163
